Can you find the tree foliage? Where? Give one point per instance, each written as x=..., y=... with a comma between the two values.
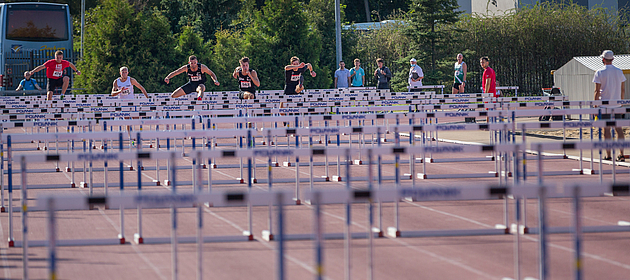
x=118, y=36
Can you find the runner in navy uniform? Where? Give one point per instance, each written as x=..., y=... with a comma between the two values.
x=247, y=79
x=293, y=76
x=196, y=78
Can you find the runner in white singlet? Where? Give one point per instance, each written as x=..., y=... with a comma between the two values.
x=123, y=86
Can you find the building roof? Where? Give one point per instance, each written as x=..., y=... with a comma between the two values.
x=595, y=62
x=372, y=25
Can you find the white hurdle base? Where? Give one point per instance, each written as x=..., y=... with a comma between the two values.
x=590, y=229
x=193, y=239
x=609, y=171
x=394, y=233
x=71, y=242
x=490, y=174
x=326, y=236
x=555, y=173
x=438, y=160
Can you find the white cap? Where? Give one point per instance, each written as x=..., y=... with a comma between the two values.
x=413, y=60
x=607, y=54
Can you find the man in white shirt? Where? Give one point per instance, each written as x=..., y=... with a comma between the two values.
x=610, y=85
x=415, y=76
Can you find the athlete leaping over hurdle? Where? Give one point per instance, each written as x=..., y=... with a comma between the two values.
x=196, y=78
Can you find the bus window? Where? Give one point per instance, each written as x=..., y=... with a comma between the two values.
x=26, y=23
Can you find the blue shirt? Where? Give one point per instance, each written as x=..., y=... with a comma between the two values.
x=28, y=85
x=357, y=80
x=342, y=77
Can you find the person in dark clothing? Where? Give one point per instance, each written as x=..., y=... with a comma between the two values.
x=382, y=75
x=247, y=79
x=293, y=76
x=196, y=78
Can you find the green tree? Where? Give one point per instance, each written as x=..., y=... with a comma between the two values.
x=280, y=30
x=205, y=16
x=118, y=36
x=429, y=22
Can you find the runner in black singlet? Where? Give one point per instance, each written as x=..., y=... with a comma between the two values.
x=293, y=76
x=247, y=79
x=196, y=78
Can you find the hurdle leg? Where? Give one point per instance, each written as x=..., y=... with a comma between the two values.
x=52, y=242
x=83, y=183
x=380, y=184
x=157, y=161
x=577, y=233
x=174, y=241
x=297, y=172
x=57, y=151
x=2, y=208
x=517, y=240
x=198, y=188
x=326, y=140
x=348, y=225
x=167, y=182
x=542, y=239
x=24, y=200
x=370, y=213
x=10, y=189
x=250, y=227
x=121, y=235
x=268, y=234
x=280, y=243
x=138, y=236
x=319, y=248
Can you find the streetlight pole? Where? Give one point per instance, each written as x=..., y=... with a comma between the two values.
x=338, y=29
x=82, y=25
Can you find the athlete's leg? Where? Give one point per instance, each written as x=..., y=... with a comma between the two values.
x=620, y=137
x=455, y=89
x=178, y=92
x=200, y=89
x=49, y=95
x=66, y=82
x=607, y=136
x=248, y=95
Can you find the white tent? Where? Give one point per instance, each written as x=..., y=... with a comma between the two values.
x=575, y=78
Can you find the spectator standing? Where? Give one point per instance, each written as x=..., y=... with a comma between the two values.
x=357, y=74
x=342, y=76
x=415, y=76
x=610, y=85
x=382, y=75
x=461, y=68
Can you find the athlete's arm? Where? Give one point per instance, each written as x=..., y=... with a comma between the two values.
x=175, y=73
x=335, y=82
x=138, y=85
x=310, y=69
x=37, y=85
x=254, y=75
x=488, y=81
x=294, y=67
x=598, y=89
x=115, y=90
x=20, y=86
x=209, y=72
x=74, y=68
x=37, y=69
x=465, y=69
x=235, y=73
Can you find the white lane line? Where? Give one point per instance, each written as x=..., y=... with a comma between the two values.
x=135, y=247
x=415, y=248
x=286, y=256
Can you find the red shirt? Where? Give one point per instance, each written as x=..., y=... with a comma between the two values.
x=488, y=73
x=54, y=70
